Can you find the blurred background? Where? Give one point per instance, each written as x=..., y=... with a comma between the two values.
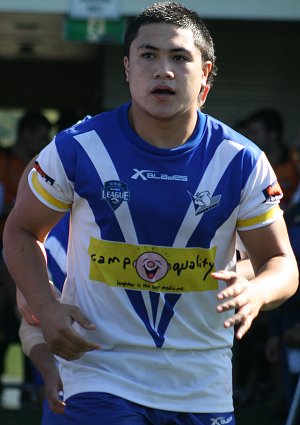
x=64, y=59
x=58, y=56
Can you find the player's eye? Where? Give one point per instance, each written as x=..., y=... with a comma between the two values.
x=147, y=55
x=180, y=58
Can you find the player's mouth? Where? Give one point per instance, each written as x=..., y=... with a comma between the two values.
x=163, y=90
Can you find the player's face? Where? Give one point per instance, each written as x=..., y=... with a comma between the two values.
x=165, y=71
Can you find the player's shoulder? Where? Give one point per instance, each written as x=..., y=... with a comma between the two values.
x=224, y=132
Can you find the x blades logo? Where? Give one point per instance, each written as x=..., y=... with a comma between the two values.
x=114, y=193
x=155, y=175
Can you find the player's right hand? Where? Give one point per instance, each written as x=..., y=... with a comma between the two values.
x=56, y=321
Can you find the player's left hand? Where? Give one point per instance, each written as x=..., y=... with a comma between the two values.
x=53, y=386
x=240, y=295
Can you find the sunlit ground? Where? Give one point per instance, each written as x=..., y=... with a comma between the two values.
x=12, y=378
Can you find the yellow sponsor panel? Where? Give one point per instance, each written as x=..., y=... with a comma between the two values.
x=154, y=268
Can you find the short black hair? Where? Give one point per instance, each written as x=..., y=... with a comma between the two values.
x=31, y=120
x=181, y=17
x=270, y=119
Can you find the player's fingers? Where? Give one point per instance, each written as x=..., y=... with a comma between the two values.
x=53, y=393
x=243, y=318
x=234, y=284
x=70, y=345
x=244, y=327
x=224, y=275
x=234, y=299
x=55, y=403
x=74, y=347
x=62, y=338
x=233, y=290
x=81, y=319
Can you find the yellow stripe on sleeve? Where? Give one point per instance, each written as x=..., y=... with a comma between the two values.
x=267, y=216
x=60, y=205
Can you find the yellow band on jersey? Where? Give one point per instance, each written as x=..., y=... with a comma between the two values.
x=152, y=268
x=269, y=215
x=46, y=195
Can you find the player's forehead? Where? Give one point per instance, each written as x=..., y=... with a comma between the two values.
x=164, y=36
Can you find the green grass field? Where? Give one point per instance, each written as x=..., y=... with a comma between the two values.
x=14, y=374
x=13, y=362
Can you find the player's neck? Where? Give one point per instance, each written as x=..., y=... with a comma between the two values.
x=163, y=133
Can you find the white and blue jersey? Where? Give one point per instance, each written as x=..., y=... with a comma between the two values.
x=148, y=226
x=56, y=246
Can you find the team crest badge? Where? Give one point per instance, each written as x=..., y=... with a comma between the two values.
x=114, y=193
x=204, y=202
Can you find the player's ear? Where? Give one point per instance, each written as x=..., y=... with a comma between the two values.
x=126, y=67
x=206, y=69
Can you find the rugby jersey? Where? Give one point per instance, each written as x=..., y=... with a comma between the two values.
x=148, y=226
x=56, y=246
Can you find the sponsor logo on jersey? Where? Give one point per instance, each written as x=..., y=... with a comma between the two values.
x=203, y=202
x=155, y=175
x=152, y=275
x=273, y=192
x=221, y=420
x=45, y=176
x=114, y=193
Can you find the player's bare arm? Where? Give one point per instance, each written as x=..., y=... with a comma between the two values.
x=27, y=225
x=276, y=277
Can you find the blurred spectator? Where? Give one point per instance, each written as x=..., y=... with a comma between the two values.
x=265, y=128
x=241, y=126
x=66, y=118
x=32, y=135
x=257, y=373
x=284, y=333
x=283, y=345
x=295, y=158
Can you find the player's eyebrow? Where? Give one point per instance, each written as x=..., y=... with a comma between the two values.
x=150, y=47
x=147, y=46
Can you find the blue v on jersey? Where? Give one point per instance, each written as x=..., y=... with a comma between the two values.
x=148, y=226
x=56, y=246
